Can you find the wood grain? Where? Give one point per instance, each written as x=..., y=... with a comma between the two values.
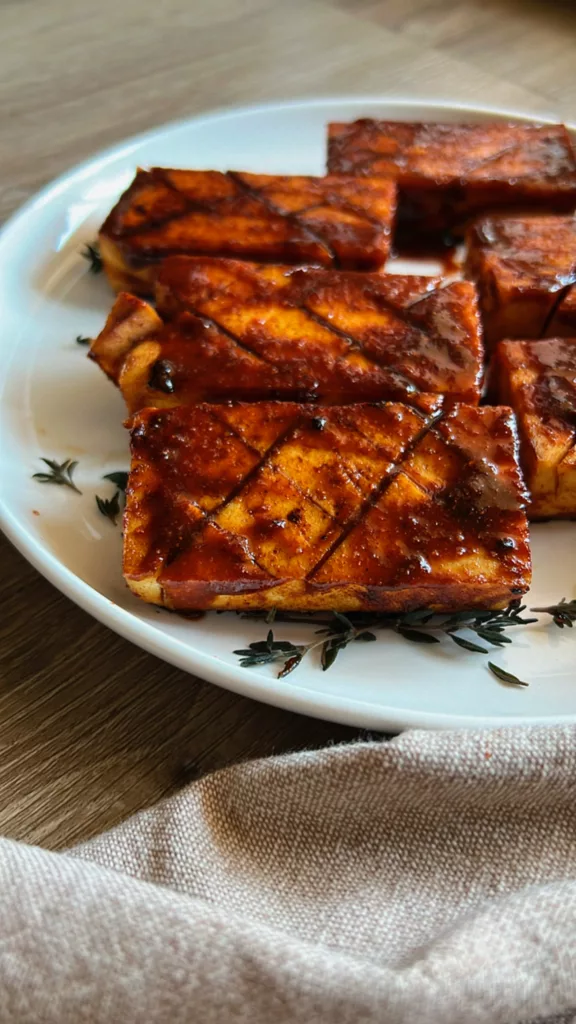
x=91, y=728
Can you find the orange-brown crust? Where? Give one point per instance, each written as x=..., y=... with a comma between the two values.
x=250, y=332
x=525, y=271
x=447, y=173
x=131, y=321
x=331, y=221
x=383, y=506
x=538, y=379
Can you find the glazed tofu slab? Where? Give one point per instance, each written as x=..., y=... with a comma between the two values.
x=382, y=506
x=525, y=271
x=332, y=222
x=231, y=330
x=538, y=379
x=448, y=173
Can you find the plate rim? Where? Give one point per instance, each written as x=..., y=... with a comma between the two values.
x=290, y=696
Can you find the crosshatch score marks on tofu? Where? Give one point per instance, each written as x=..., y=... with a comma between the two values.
x=381, y=507
x=339, y=221
x=235, y=330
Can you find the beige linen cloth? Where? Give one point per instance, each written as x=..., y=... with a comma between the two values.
x=427, y=879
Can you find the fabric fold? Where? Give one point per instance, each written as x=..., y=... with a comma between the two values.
x=432, y=877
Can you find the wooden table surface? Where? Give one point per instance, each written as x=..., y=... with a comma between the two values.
x=91, y=728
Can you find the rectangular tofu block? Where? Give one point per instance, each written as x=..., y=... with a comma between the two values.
x=447, y=173
x=243, y=331
x=538, y=379
x=524, y=268
x=332, y=222
x=380, y=507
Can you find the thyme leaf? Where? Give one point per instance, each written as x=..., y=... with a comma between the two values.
x=423, y=626
x=504, y=676
x=109, y=507
x=60, y=473
x=118, y=478
x=92, y=254
x=335, y=637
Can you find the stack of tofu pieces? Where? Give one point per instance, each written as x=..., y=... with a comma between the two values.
x=306, y=427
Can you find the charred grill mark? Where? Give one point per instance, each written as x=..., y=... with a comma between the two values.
x=400, y=312
x=369, y=156
x=192, y=206
x=292, y=218
x=560, y=296
x=206, y=516
x=487, y=160
x=336, y=153
x=346, y=206
x=357, y=211
x=232, y=430
x=161, y=222
x=300, y=420
x=377, y=492
x=211, y=516
x=356, y=344
x=207, y=207
x=303, y=421
x=263, y=459
x=439, y=286
x=230, y=335
x=417, y=412
x=570, y=449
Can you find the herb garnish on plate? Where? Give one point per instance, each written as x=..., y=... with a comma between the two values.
x=422, y=626
x=60, y=473
x=92, y=254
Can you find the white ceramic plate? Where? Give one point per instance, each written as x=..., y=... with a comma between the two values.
x=57, y=404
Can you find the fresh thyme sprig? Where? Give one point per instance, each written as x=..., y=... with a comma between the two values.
x=422, y=626
x=92, y=254
x=60, y=473
x=336, y=635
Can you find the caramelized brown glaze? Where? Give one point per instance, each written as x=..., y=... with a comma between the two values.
x=538, y=378
x=381, y=506
x=447, y=173
x=316, y=335
x=555, y=389
x=525, y=269
x=332, y=221
x=237, y=330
